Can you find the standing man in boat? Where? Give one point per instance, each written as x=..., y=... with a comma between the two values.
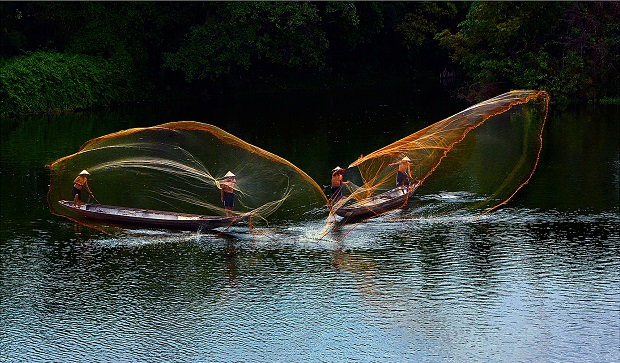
x=80, y=182
x=337, y=183
x=404, y=171
x=227, y=195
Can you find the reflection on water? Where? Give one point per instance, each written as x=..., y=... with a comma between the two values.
x=520, y=285
x=537, y=280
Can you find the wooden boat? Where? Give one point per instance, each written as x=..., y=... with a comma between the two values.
x=378, y=204
x=151, y=218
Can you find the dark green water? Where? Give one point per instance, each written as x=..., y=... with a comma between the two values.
x=536, y=280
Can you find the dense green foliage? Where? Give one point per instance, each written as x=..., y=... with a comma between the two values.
x=241, y=34
x=570, y=49
x=46, y=81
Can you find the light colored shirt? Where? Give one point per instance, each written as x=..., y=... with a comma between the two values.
x=228, y=185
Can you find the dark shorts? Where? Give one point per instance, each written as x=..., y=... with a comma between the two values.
x=336, y=192
x=78, y=192
x=229, y=199
x=401, y=179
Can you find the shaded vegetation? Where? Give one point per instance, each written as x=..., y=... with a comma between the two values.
x=46, y=81
x=119, y=52
x=570, y=49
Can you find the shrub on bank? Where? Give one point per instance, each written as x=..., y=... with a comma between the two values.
x=50, y=82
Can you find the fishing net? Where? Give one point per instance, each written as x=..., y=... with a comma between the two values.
x=476, y=159
x=179, y=167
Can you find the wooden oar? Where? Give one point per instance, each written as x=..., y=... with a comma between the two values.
x=92, y=195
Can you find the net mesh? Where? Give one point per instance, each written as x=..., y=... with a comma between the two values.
x=476, y=159
x=179, y=167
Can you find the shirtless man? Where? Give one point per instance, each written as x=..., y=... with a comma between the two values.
x=80, y=182
x=226, y=195
x=337, y=183
x=404, y=171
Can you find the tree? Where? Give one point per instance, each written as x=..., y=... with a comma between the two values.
x=539, y=45
x=420, y=22
x=237, y=37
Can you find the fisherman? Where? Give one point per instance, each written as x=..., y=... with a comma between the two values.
x=80, y=182
x=404, y=171
x=227, y=196
x=337, y=183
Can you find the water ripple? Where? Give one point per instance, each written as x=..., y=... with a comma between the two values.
x=518, y=284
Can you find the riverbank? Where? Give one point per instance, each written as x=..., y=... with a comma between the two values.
x=53, y=83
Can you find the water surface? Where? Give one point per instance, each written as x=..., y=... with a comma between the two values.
x=536, y=280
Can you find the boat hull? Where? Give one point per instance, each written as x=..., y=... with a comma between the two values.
x=150, y=218
x=377, y=205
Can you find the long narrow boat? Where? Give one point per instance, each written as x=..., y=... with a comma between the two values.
x=151, y=218
x=378, y=204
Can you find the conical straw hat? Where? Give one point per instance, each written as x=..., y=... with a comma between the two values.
x=229, y=174
x=84, y=172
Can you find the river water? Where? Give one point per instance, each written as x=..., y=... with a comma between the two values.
x=537, y=280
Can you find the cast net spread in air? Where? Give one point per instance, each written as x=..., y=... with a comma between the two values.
x=476, y=159
x=179, y=167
